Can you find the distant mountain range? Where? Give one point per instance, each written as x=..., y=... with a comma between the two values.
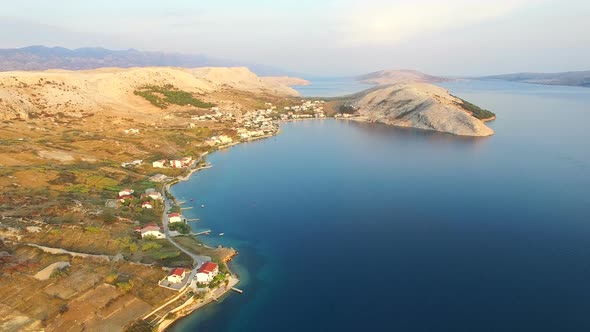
x=42, y=58
x=572, y=78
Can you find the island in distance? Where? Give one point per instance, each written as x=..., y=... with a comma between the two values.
x=570, y=78
x=406, y=98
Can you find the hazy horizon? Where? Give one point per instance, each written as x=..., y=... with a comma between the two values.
x=335, y=38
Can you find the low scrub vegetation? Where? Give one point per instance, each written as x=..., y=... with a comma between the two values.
x=475, y=110
x=180, y=227
x=162, y=96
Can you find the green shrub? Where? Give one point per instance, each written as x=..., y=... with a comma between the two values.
x=150, y=245
x=162, y=96
x=180, y=227
x=475, y=110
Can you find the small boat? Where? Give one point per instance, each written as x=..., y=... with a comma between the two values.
x=202, y=205
x=192, y=199
x=221, y=234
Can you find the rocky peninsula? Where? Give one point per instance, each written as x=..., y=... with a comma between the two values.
x=420, y=105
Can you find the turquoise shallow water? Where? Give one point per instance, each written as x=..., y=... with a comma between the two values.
x=351, y=226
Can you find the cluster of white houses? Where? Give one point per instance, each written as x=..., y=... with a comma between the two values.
x=174, y=163
x=148, y=197
x=216, y=116
x=260, y=120
x=204, y=276
x=219, y=140
x=307, y=109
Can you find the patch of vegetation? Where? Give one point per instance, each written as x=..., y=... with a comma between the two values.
x=346, y=108
x=64, y=177
x=175, y=208
x=92, y=229
x=125, y=287
x=475, y=110
x=163, y=96
x=217, y=280
x=111, y=277
x=182, y=228
x=139, y=326
x=61, y=272
x=150, y=245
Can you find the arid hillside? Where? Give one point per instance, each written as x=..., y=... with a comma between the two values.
x=70, y=141
x=80, y=93
x=423, y=106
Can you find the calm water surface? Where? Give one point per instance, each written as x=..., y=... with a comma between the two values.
x=331, y=87
x=346, y=226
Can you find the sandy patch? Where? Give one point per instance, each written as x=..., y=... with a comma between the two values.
x=47, y=271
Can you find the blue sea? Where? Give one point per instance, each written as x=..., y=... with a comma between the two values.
x=345, y=226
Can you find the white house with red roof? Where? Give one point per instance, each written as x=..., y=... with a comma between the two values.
x=207, y=272
x=176, y=163
x=176, y=275
x=146, y=205
x=159, y=163
x=174, y=217
x=152, y=230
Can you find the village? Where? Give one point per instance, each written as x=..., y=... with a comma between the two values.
x=205, y=278
x=259, y=123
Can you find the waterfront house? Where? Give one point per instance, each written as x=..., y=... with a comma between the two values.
x=174, y=217
x=125, y=192
x=207, y=272
x=176, y=275
x=146, y=205
x=152, y=230
x=175, y=163
x=159, y=163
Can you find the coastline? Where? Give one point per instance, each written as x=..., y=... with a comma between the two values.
x=193, y=304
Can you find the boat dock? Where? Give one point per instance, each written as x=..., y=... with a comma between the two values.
x=193, y=219
x=237, y=290
x=203, y=232
x=186, y=208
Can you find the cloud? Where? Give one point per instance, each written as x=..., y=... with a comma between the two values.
x=389, y=22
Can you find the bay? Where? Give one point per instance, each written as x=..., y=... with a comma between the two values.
x=347, y=226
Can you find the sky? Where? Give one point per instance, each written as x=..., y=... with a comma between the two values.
x=322, y=37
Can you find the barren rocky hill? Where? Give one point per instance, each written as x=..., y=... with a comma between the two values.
x=423, y=106
x=399, y=76
x=76, y=93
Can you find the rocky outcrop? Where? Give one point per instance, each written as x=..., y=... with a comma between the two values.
x=419, y=105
